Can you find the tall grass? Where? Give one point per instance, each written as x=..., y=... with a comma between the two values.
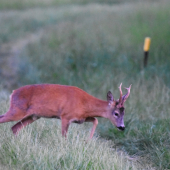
x=147, y=121
x=96, y=47
x=102, y=48
x=41, y=146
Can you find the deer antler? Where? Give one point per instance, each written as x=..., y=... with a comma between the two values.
x=127, y=94
x=120, y=99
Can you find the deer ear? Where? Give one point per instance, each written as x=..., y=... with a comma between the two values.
x=110, y=97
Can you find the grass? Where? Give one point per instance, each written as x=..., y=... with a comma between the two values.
x=41, y=146
x=148, y=131
x=94, y=47
x=24, y=4
x=83, y=53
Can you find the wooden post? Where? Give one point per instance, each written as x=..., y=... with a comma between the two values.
x=146, y=50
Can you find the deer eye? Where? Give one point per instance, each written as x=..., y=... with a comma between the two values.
x=116, y=114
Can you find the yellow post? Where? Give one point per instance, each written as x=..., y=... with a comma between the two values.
x=146, y=50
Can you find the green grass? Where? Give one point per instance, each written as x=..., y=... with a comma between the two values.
x=113, y=50
x=41, y=146
x=94, y=47
x=24, y=4
x=147, y=120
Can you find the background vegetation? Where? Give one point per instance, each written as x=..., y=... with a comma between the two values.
x=95, y=47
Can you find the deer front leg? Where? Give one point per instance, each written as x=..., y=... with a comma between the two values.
x=64, y=127
x=95, y=122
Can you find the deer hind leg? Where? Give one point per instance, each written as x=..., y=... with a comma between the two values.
x=8, y=118
x=14, y=114
x=95, y=122
x=4, y=118
x=24, y=122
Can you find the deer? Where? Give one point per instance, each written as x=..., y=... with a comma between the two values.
x=70, y=104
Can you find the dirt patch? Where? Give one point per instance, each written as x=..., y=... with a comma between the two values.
x=9, y=59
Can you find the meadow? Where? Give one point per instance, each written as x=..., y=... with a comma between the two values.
x=95, y=46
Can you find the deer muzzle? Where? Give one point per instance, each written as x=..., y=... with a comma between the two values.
x=122, y=128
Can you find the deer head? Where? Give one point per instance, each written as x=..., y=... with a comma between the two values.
x=117, y=109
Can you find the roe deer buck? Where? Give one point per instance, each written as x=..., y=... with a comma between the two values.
x=68, y=103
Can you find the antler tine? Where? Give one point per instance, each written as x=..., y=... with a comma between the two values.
x=127, y=94
x=120, y=99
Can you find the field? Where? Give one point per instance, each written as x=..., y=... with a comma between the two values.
x=95, y=46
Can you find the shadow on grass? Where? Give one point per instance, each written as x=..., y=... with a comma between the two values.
x=146, y=139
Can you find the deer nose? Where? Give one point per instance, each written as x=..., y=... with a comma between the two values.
x=121, y=128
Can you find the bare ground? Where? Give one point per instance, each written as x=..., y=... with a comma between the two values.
x=9, y=59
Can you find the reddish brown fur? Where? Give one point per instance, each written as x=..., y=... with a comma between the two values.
x=68, y=103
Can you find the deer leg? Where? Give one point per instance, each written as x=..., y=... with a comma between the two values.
x=95, y=122
x=64, y=127
x=14, y=114
x=4, y=119
x=24, y=122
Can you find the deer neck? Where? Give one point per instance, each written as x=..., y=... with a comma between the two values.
x=98, y=108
